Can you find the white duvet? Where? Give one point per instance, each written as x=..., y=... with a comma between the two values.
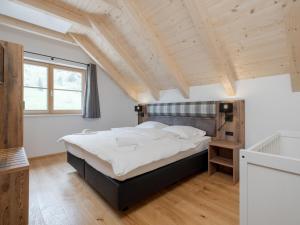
x=129, y=148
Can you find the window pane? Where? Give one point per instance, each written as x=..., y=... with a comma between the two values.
x=69, y=80
x=35, y=99
x=35, y=76
x=67, y=100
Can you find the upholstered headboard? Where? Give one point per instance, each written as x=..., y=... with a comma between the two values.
x=201, y=115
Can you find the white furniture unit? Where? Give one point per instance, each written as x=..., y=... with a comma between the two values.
x=270, y=181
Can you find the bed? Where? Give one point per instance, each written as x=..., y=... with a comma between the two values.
x=124, y=190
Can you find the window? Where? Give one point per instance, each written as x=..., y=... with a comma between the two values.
x=67, y=89
x=52, y=88
x=35, y=87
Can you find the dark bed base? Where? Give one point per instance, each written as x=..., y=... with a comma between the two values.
x=123, y=194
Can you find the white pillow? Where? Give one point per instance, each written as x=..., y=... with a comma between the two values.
x=152, y=124
x=185, y=132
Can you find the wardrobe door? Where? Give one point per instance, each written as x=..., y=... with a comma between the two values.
x=11, y=95
x=1, y=64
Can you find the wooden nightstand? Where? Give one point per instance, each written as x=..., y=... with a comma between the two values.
x=224, y=156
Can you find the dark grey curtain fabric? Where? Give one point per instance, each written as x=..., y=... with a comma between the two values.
x=91, y=107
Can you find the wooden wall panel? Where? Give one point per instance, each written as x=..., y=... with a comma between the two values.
x=11, y=97
x=1, y=64
x=237, y=126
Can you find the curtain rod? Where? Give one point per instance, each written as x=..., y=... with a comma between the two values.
x=52, y=58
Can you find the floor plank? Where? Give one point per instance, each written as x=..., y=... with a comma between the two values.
x=58, y=196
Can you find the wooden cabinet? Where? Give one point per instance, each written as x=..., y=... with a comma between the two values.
x=14, y=167
x=14, y=187
x=11, y=96
x=224, y=156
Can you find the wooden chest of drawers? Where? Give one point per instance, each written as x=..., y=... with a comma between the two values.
x=14, y=187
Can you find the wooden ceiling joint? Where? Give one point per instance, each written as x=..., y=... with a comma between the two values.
x=292, y=22
x=101, y=28
x=217, y=51
x=99, y=57
x=149, y=32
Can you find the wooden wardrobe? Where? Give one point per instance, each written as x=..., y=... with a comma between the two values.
x=11, y=96
x=14, y=166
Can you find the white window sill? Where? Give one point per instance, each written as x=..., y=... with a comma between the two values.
x=50, y=115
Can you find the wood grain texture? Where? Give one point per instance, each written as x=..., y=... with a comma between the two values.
x=59, y=196
x=1, y=64
x=14, y=187
x=224, y=154
x=149, y=33
x=11, y=97
x=217, y=49
x=86, y=44
x=237, y=126
x=101, y=28
x=31, y=28
x=13, y=160
x=293, y=34
x=57, y=9
x=251, y=38
x=224, y=149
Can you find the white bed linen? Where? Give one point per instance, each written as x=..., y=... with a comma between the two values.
x=105, y=168
x=150, y=147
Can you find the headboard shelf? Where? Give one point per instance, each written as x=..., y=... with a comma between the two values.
x=204, y=115
x=232, y=130
x=207, y=124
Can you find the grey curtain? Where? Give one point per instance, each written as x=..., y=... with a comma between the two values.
x=91, y=107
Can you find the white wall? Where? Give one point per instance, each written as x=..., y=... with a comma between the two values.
x=270, y=104
x=41, y=132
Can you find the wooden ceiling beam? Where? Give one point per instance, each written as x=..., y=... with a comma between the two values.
x=292, y=21
x=57, y=9
x=38, y=30
x=158, y=45
x=92, y=22
x=206, y=32
x=95, y=53
x=100, y=27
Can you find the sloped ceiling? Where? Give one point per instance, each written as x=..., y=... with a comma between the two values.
x=148, y=46
x=30, y=15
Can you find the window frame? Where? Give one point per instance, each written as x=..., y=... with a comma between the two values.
x=50, y=87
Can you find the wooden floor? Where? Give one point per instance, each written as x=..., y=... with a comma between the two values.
x=59, y=196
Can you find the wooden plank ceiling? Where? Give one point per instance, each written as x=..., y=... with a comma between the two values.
x=148, y=46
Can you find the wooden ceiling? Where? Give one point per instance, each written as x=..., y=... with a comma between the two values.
x=152, y=45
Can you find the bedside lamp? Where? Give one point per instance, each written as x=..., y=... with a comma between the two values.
x=139, y=110
x=226, y=108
